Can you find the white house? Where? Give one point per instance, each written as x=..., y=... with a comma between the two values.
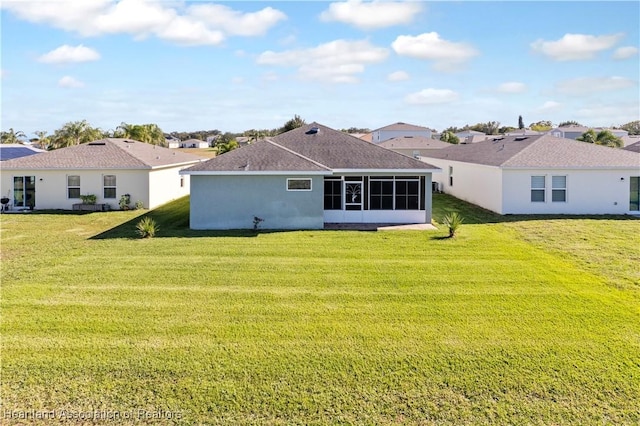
x=194, y=143
x=540, y=174
x=107, y=168
x=305, y=178
x=397, y=130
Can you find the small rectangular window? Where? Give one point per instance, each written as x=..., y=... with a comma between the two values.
x=298, y=184
x=558, y=189
x=537, y=189
x=109, y=184
x=73, y=186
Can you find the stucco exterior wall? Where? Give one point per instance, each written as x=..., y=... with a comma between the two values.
x=231, y=202
x=475, y=183
x=165, y=185
x=51, y=186
x=588, y=192
x=383, y=135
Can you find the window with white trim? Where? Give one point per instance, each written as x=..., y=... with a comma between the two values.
x=73, y=186
x=558, y=189
x=538, y=189
x=109, y=186
x=296, y=184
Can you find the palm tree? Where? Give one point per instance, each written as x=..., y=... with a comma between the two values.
x=43, y=139
x=589, y=136
x=12, y=136
x=149, y=133
x=604, y=137
x=75, y=133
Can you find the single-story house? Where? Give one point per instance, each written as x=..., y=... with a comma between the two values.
x=399, y=129
x=574, y=132
x=194, y=143
x=540, y=174
x=305, y=178
x=106, y=168
x=413, y=146
x=9, y=151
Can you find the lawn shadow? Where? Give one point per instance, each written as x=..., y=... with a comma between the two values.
x=474, y=215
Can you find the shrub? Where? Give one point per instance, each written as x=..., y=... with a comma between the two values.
x=125, y=200
x=147, y=227
x=256, y=222
x=89, y=199
x=139, y=205
x=453, y=221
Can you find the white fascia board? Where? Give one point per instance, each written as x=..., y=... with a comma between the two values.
x=583, y=168
x=254, y=173
x=185, y=163
x=387, y=171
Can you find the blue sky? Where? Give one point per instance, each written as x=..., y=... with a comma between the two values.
x=234, y=66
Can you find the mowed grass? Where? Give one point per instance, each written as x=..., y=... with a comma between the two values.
x=515, y=321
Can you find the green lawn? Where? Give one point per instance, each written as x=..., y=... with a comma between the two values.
x=518, y=320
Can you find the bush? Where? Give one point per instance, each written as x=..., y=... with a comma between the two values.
x=89, y=199
x=147, y=227
x=125, y=200
x=139, y=205
x=453, y=221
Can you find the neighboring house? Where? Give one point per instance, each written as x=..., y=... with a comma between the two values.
x=399, y=129
x=107, y=168
x=469, y=133
x=413, y=146
x=630, y=140
x=9, y=151
x=540, y=174
x=574, y=132
x=634, y=147
x=194, y=143
x=305, y=178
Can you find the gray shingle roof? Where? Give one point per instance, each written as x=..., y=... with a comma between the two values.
x=111, y=153
x=339, y=150
x=399, y=126
x=413, y=142
x=539, y=151
x=261, y=156
x=634, y=147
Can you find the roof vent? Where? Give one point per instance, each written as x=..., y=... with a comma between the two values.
x=521, y=138
x=96, y=143
x=129, y=141
x=313, y=131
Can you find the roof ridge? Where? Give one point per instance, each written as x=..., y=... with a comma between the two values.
x=297, y=154
x=112, y=142
x=529, y=145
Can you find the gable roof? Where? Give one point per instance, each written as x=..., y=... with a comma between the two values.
x=400, y=126
x=111, y=153
x=16, y=150
x=413, y=142
x=314, y=149
x=538, y=151
x=340, y=151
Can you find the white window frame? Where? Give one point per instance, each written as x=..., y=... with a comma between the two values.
x=300, y=179
x=115, y=187
x=74, y=187
x=564, y=188
x=543, y=189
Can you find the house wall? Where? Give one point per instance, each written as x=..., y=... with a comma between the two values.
x=231, y=202
x=383, y=135
x=164, y=186
x=475, y=183
x=588, y=192
x=51, y=186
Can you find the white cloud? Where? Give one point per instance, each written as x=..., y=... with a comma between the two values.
x=512, y=87
x=572, y=47
x=610, y=114
x=68, y=54
x=432, y=96
x=173, y=21
x=338, y=61
x=70, y=82
x=233, y=22
x=371, y=15
x=398, y=76
x=447, y=55
x=588, y=85
x=549, y=106
x=625, y=52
